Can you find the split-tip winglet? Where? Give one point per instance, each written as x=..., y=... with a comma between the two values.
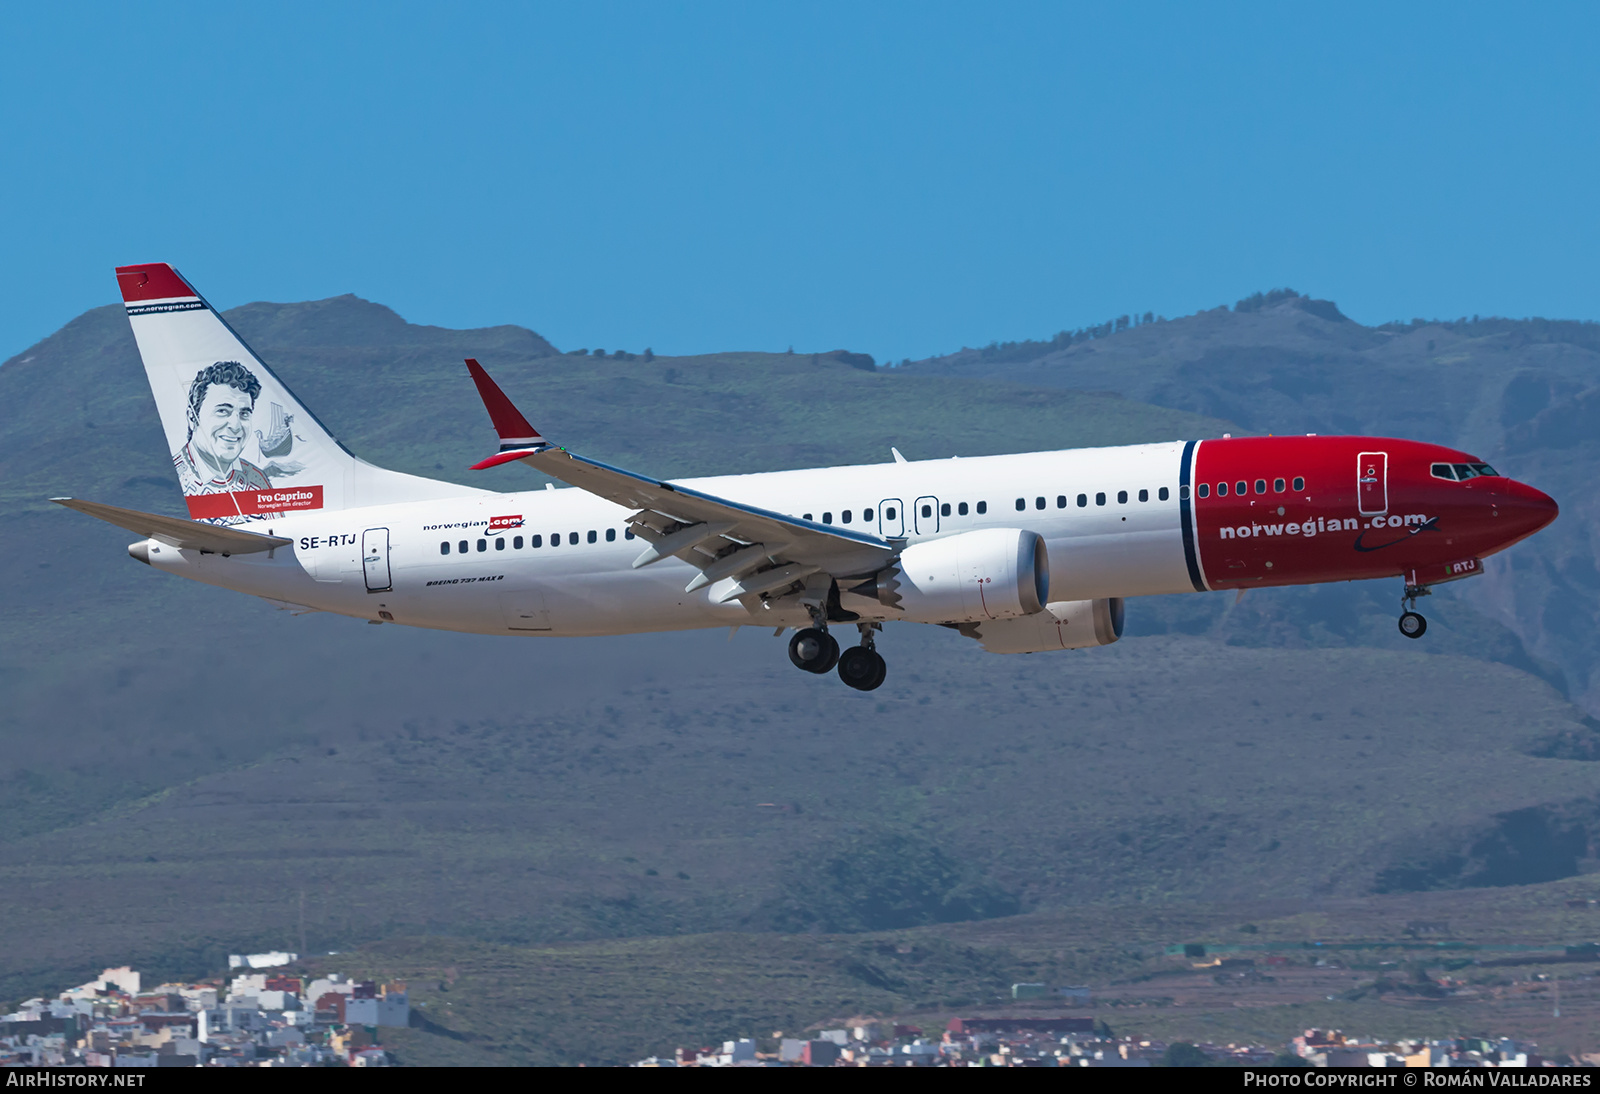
x=517, y=435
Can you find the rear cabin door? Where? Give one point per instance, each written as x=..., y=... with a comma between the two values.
x=925, y=517
x=1372, y=482
x=375, y=559
x=891, y=518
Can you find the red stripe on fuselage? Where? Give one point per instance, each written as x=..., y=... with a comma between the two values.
x=1319, y=533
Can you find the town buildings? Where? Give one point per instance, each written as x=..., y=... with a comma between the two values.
x=260, y=1018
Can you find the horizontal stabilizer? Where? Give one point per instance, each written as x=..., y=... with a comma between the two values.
x=177, y=531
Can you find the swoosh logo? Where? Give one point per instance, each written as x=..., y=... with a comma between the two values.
x=1360, y=546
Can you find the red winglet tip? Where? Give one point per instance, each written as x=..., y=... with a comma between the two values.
x=508, y=420
x=151, y=281
x=497, y=459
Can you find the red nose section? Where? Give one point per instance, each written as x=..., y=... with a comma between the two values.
x=1525, y=509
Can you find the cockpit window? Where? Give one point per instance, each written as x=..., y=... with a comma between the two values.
x=1461, y=472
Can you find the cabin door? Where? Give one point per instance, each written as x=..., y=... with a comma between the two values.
x=925, y=517
x=1372, y=482
x=375, y=559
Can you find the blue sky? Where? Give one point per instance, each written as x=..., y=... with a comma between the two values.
x=895, y=179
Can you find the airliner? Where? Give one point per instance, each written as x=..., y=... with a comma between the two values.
x=1021, y=553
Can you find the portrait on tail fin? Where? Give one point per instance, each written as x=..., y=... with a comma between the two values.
x=222, y=402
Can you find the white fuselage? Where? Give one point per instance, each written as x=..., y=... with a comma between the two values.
x=405, y=563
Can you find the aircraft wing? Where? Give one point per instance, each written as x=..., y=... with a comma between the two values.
x=177, y=531
x=762, y=551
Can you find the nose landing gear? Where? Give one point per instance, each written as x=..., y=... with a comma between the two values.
x=862, y=667
x=1412, y=624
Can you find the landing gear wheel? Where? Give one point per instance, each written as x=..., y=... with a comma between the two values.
x=1413, y=625
x=814, y=650
x=862, y=668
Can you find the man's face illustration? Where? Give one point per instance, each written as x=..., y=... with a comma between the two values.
x=223, y=424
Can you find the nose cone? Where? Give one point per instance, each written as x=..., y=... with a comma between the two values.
x=1526, y=508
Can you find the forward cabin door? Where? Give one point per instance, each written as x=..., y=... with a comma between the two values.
x=925, y=517
x=891, y=519
x=1372, y=482
x=375, y=559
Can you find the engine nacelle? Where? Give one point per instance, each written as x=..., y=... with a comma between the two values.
x=996, y=573
x=1065, y=625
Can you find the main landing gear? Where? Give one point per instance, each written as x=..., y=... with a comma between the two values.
x=1412, y=624
x=815, y=650
x=862, y=667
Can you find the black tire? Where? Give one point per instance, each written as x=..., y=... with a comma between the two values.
x=1413, y=625
x=862, y=668
x=813, y=650
x=883, y=671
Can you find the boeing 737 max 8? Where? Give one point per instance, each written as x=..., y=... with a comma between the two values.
x=1024, y=553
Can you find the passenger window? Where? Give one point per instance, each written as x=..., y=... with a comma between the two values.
x=611, y=535
x=500, y=544
x=1100, y=499
x=827, y=518
x=444, y=548
x=944, y=510
x=983, y=507
x=1183, y=493
x=844, y=517
x=1144, y=495
x=1205, y=490
x=572, y=538
x=961, y=510
x=1241, y=488
x=866, y=515
x=555, y=539
x=1038, y=503
x=1261, y=486
x=1299, y=483
x=888, y=514
x=927, y=510
x=1083, y=499
x=483, y=545
x=462, y=547
x=1222, y=489
x=1164, y=494
x=627, y=533
x=805, y=516
x=536, y=541
x=592, y=536
x=1122, y=497
x=516, y=543
x=1061, y=501
x=1277, y=486
x=1021, y=504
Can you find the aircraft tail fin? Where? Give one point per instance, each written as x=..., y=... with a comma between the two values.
x=244, y=448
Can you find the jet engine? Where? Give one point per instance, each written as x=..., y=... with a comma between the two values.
x=996, y=573
x=1064, y=625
